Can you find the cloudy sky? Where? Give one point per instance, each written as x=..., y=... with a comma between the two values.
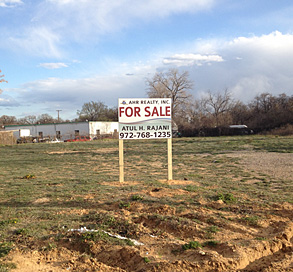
x=60, y=54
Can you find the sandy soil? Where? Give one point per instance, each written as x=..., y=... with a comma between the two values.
x=236, y=244
x=273, y=164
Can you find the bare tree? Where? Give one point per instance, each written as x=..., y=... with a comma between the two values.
x=240, y=113
x=97, y=111
x=217, y=105
x=171, y=84
x=2, y=80
x=268, y=111
x=8, y=120
x=28, y=120
x=45, y=119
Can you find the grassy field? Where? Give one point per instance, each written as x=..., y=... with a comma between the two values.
x=46, y=188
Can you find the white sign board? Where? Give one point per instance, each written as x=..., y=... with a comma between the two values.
x=145, y=118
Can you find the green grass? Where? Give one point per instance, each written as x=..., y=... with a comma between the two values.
x=45, y=187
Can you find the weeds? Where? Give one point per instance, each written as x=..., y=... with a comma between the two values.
x=211, y=243
x=29, y=176
x=5, y=248
x=192, y=245
x=8, y=222
x=227, y=198
x=136, y=197
x=260, y=238
x=191, y=188
x=124, y=205
x=49, y=247
x=22, y=231
x=251, y=220
x=100, y=235
x=212, y=229
x=6, y=267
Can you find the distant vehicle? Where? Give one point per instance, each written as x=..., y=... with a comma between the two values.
x=240, y=130
x=238, y=126
x=79, y=139
x=55, y=141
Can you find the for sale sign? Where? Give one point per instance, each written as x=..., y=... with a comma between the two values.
x=145, y=118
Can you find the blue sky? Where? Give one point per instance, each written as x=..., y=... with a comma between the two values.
x=59, y=54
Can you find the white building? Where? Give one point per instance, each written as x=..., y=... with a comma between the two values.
x=66, y=131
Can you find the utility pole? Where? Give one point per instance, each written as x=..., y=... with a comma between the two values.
x=58, y=114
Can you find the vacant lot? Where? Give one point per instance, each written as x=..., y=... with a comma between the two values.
x=229, y=207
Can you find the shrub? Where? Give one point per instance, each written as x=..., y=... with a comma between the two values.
x=211, y=243
x=124, y=205
x=136, y=197
x=5, y=248
x=191, y=245
x=227, y=198
x=251, y=220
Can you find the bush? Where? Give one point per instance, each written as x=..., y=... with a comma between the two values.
x=226, y=198
x=286, y=130
x=191, y=245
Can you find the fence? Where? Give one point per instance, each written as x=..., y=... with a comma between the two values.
x=7, y=138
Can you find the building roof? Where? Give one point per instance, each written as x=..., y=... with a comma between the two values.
x=28, y=125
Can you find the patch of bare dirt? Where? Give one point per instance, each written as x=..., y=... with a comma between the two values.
x=233, y=245
x=277, y=165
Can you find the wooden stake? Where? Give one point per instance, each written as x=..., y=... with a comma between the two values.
x=121, y=161
x=170, y=170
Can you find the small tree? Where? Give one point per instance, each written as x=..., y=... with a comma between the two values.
x=171, y=84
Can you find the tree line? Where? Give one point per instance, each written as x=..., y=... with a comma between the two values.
x=214, y=112
x=91, y=111
x=209, y=115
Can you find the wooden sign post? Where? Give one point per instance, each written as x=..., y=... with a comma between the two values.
x=145, y=118
x=170, y=168
x=121, y=161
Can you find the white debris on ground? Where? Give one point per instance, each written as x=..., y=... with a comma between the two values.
x=85, y=229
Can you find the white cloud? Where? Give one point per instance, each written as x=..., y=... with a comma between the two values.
x=10, y=3
x=54, y=23
x=191, y=59
x=70, y=94
x=38, y=41
x=98, y=17
x=7, y=101
x=252, y=86
x=252, y=65
x=53, y=65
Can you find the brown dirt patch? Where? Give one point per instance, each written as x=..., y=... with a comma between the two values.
x=277, y=165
